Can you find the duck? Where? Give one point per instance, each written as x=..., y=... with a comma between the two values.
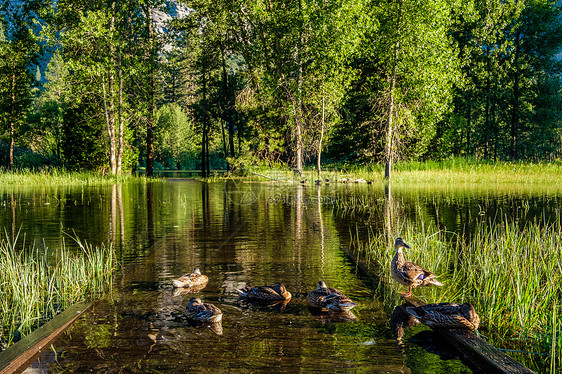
x=266, y=293
x=198, y=311
x=325, y=297
x=446, y=315
x=190, y=280
x=409, y=274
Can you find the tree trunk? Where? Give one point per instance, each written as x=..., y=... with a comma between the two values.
x=229, y=106
x=389, y=146
x=204, y=130
x=488, y=102
x=298, y=112
x=109, y=121
x=390, y=119
x=318, y=162
x=151, y=104
x=226, y=111
x=109, y=98
x=515, y=105
x=120, y=138
x=12, y=122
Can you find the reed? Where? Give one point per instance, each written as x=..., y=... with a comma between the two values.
x=64, y=177
x=511, y=274
x=36, y=284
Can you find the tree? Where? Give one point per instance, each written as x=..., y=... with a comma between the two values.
x=49, y=109
x=415, y=70
x=18, y=51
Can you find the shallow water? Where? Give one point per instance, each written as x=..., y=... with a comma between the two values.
x=241, y=234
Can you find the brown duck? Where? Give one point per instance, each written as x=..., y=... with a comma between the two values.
x=446, y=315
x=409, y=274
x=329, y=298
x=198, y=311
x=191, y=280
x=265, y=293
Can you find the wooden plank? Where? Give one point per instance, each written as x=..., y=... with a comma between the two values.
x=481, y=353
x=16, y=358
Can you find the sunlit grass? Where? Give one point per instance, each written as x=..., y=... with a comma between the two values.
x=455, y=170
x=511, y=274
x=36, y=284
x=62, y=177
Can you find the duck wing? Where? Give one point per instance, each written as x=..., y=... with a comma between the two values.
x=413, y=272
x=265, y=292
x=208, y=312
x=339, y=303
x=445, y=316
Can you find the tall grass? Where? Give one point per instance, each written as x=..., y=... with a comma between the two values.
x=511, y=274
x=458, y=170
x=36, y=284
x=63, y=177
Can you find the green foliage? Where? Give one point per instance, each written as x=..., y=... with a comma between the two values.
x=286, y=80
x=174, y=137
x=82, y=138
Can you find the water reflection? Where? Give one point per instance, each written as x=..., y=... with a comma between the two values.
x=431, y=342
x=239, y=234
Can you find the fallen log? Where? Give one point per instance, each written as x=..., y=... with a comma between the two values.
x=481, y=353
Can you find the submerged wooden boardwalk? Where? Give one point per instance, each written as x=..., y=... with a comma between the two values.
x=16, y=358
x=482, y=354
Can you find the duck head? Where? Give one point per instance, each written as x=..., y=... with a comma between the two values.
x=399, y=244
x=194, y=301
x=321, y=284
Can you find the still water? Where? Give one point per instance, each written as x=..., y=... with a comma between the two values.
x=242, y=234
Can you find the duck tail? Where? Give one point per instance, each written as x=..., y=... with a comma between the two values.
x=413, y=311
x=435, y=282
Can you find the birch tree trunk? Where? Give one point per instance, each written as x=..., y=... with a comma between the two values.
x=151, y=104
x=12, y=121
x=390, y=118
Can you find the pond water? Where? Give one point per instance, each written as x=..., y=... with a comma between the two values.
x=243, y=234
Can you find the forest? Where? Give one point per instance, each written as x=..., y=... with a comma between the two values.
x=118, y=86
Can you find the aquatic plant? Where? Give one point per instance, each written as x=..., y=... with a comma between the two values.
x=511, y=275
x=57, y=176
x=37, y=283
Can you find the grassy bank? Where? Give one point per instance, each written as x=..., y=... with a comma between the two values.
x=63, y=177
x=457, y=170
x=511, y=274
x=36, y=284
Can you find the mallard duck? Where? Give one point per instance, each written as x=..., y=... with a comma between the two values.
x=266, y=293
x=446, y=315
x=409, y=274
x=329, y=298
x=190, y=280
x=198, y=311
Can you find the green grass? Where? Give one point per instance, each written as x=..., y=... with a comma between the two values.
x=36, y=284
x=511, y=274
x=63, y=177
x=456, y=170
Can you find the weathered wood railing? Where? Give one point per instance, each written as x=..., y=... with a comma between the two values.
x=16, y=358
